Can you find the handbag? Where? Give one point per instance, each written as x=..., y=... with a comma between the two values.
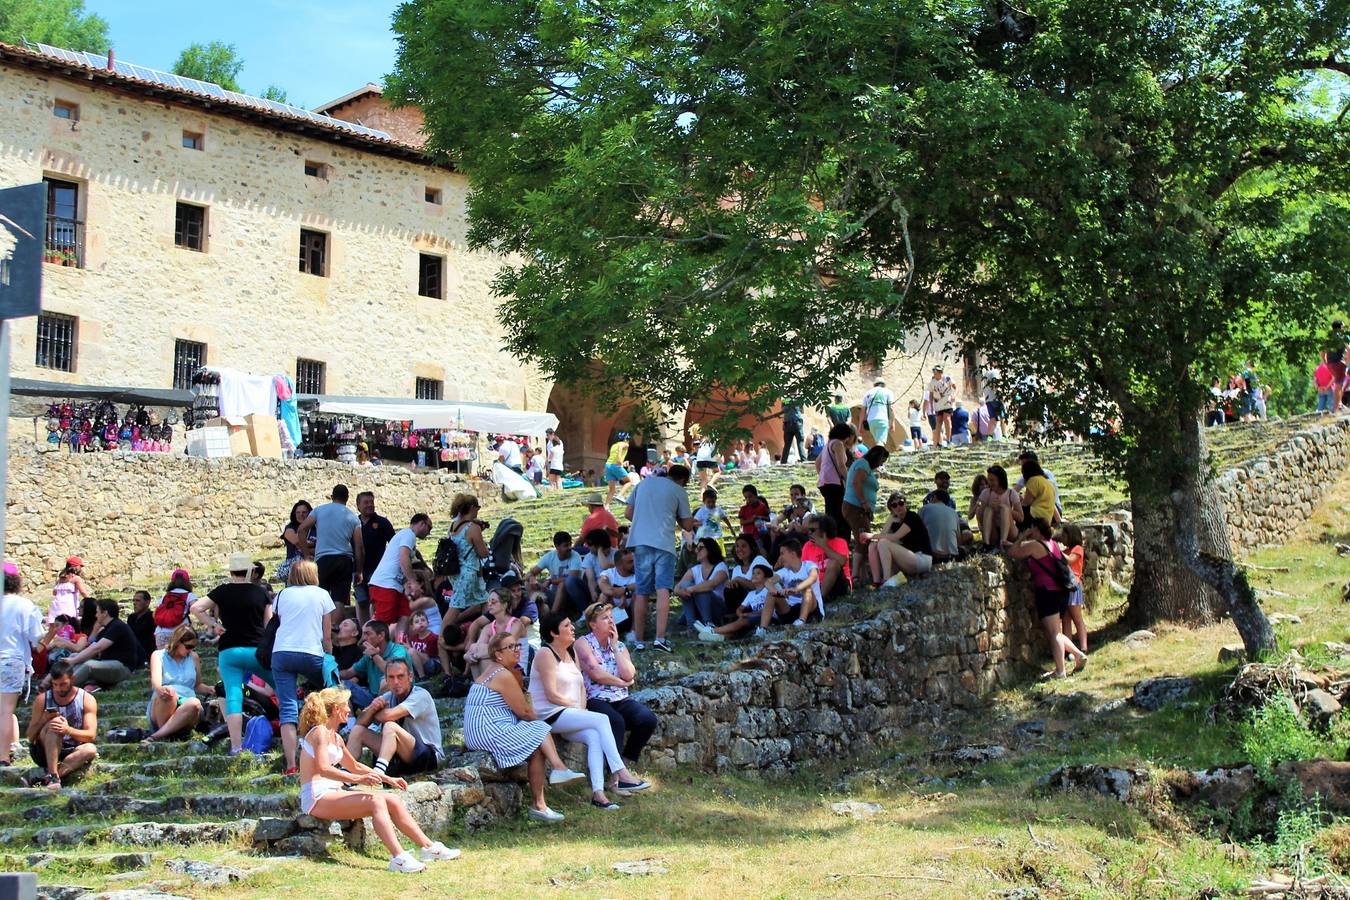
x=268, y=641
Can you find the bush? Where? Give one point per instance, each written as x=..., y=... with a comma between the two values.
x=1275, y=733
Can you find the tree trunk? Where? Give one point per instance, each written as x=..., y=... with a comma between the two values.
x=1183, y=561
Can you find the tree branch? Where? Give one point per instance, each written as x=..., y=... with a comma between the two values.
x=1330, y=62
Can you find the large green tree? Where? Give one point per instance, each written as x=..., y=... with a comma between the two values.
x=216, y=62
x=1102, y=196
x=60, y=23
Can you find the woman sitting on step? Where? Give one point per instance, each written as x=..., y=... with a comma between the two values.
x=175, y=682
x=325, y=789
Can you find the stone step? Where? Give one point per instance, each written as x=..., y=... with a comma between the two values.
x=209, y=805
x=133, y=783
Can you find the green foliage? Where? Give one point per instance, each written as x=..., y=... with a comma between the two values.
x=61, y=23
x=1292, y=847
x=1275, y=733
x=215, y=62
x=275, y=94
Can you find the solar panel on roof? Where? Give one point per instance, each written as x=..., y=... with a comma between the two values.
x=204, y=88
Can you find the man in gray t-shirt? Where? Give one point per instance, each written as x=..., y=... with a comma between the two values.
x=400, y=726
x=943, y=524
x=655, y=507
x=338, y=550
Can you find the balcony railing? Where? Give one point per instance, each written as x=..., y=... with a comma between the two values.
x=65, y=242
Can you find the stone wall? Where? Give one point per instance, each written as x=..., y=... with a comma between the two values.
x=134, y=516
x=1265, y=496
x=945, y=640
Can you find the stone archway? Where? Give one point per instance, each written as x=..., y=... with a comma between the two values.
x=586, y=429
x=767, y=428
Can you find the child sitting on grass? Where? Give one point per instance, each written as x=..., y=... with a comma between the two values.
x=747, y=614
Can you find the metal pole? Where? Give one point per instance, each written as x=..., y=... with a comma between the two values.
x=4, y=428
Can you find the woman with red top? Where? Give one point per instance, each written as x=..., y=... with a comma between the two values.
x=1052, y=601
x=1071, y=539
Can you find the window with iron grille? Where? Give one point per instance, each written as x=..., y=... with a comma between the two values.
x=56, y=341
x=65, y=229
x=189, y=227
x=313, y=252
x=430, y=389
x=309, y=376
x=430, y=272
x=188, y=357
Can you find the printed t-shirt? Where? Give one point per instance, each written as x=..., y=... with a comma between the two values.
x=789, y=579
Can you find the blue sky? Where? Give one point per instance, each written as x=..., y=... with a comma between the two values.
x=315, y=51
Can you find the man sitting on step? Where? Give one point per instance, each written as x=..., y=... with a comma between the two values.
x=62, y=729
x=400, y=726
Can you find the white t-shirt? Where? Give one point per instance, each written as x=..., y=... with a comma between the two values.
x=755, y=600
x=555, y=456
x=790, y=579
x=876, y=404
x=389, y=574
x=706, y=451
x=301, y=608
x=510, y=454
x=915, y=418
x=745, y=572
x=709, y=522
x=695, y=576
x=617, y=579
x=20, y=627
x=422, y=720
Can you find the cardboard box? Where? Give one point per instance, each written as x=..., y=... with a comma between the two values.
x=237, y=427
x=263, y=437
x=209, y=443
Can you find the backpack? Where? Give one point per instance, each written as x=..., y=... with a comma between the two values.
x=172, y=610
x=446, y=561
x=1058, y=570
x=257, y=735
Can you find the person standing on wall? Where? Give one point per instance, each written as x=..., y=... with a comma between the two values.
x=655, y=507
x=876, y=411
x=339, y=551
x=793, y=422
x=376, y=533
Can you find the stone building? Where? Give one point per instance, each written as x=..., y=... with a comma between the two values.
x=191, y=225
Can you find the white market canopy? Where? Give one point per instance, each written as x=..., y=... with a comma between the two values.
x=443, y=414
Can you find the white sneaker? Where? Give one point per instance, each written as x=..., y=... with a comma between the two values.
x=563, y=776
x=895, y=580
x=800, y=623
x=761, y=633
x=711, y=636
x=702, y=627
x=545, y=815
x=405, y=863
x=438, y=851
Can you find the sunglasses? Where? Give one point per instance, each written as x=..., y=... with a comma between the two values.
x=189, y=644
x=510, y=646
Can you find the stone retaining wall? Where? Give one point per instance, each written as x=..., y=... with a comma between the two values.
x=1265, y=496
x=945, y=640
x=134, y=516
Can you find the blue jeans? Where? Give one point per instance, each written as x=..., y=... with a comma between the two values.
x=655, y=569
x=287, y=667
x=576, y=594
x=361, y=697
x=703, y=607
x=1324, y=401
x=236, y=664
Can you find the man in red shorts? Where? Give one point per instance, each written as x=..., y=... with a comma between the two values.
x=388, y=602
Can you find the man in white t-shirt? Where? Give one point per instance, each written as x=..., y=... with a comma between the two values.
x=794, y=596
x=553, y=448
x=387, y=601
x=876, y=411
x=508, y=451
x=618, y=584
x=943, y=394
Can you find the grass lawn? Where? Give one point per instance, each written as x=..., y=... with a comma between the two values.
x=944, y=830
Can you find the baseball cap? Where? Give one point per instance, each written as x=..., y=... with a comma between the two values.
x=75, y=562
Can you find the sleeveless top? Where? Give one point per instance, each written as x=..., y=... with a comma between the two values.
x=179, y=674
x=72, y=711
x=1042, y=570
x=567, y=679
x=65, y=601
x=829, y=474
x=610, y=663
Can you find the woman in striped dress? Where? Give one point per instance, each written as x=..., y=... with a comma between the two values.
x=498, y=718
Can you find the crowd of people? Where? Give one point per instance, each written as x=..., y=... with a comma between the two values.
x=338, y=662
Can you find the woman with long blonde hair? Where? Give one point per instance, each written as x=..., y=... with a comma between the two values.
x=321, y=781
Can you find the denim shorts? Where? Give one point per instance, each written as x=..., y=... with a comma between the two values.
x=655, y=569
x=14, y=674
